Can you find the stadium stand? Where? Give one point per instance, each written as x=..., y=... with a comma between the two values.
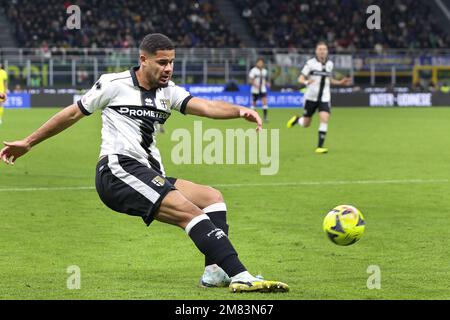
x=273, y=23
x=118, y=24
x=219, y=40
x=284, y=23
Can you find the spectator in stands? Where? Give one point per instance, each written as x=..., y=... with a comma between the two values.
x=118, y=24
x=274, y=23
x=300, y=24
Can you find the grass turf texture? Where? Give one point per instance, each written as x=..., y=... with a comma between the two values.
x=276, y=229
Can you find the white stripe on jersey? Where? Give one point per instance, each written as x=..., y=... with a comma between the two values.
x=321, y=74
x=131, y=115
x=132, y=181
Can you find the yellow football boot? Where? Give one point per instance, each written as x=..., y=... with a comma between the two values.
x=292, y=121
x=258, y=286
x=321, y=150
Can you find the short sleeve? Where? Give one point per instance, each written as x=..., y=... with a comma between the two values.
x=96, y=98
x=179, y=97
x=251, y=74
x=306, y=70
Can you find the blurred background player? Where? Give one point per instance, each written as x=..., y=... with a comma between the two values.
x=258, y=79
x=316, y=75
x=3, y=89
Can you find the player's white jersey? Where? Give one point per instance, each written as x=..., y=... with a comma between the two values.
x=131, y=115
x=260, y=77
x=321, y=73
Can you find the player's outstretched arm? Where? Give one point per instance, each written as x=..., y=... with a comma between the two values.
x=59, y=122
x=343, y=82
x=221, y=110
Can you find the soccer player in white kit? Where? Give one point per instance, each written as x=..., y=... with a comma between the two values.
x=130, y=177
x=257, y=77
x=317, y=76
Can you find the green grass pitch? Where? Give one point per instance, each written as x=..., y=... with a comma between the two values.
x=393, y=164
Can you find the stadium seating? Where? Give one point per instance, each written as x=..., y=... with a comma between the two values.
x=273, y=23
x=342, y=23
x=117, y=24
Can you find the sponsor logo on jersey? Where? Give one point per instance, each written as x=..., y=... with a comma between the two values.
x=149, y=102
x=165, y=103
x=320, y=73
x=135, y=112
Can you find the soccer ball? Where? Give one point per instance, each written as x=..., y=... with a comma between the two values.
x=344, y=225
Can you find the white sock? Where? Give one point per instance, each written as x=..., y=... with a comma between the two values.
x=212, y=268
x=323, y=127
x=301, y=121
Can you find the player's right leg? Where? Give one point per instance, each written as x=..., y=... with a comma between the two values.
x=175, y=209
x=211, y=202
x=323, y=129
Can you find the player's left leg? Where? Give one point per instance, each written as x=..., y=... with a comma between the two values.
x=265, y=107
x=212, y=204
x=305, y=120
x=209, y=198
x=323, y=129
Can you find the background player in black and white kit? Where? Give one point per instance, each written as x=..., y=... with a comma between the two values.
x=317, y=76
x=258, y=78
x=130, y=176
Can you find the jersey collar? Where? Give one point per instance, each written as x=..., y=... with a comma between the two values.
x=135, y=79
x=133, y=76
x=317, y=59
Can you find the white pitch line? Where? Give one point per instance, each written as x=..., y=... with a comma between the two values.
x=18, y=189
x=319, y=183
x=239, y=185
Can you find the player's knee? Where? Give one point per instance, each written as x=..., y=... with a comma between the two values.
x=324, y=119
x=214, y=195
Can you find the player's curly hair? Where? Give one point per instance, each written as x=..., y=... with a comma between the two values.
x=154, y=42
